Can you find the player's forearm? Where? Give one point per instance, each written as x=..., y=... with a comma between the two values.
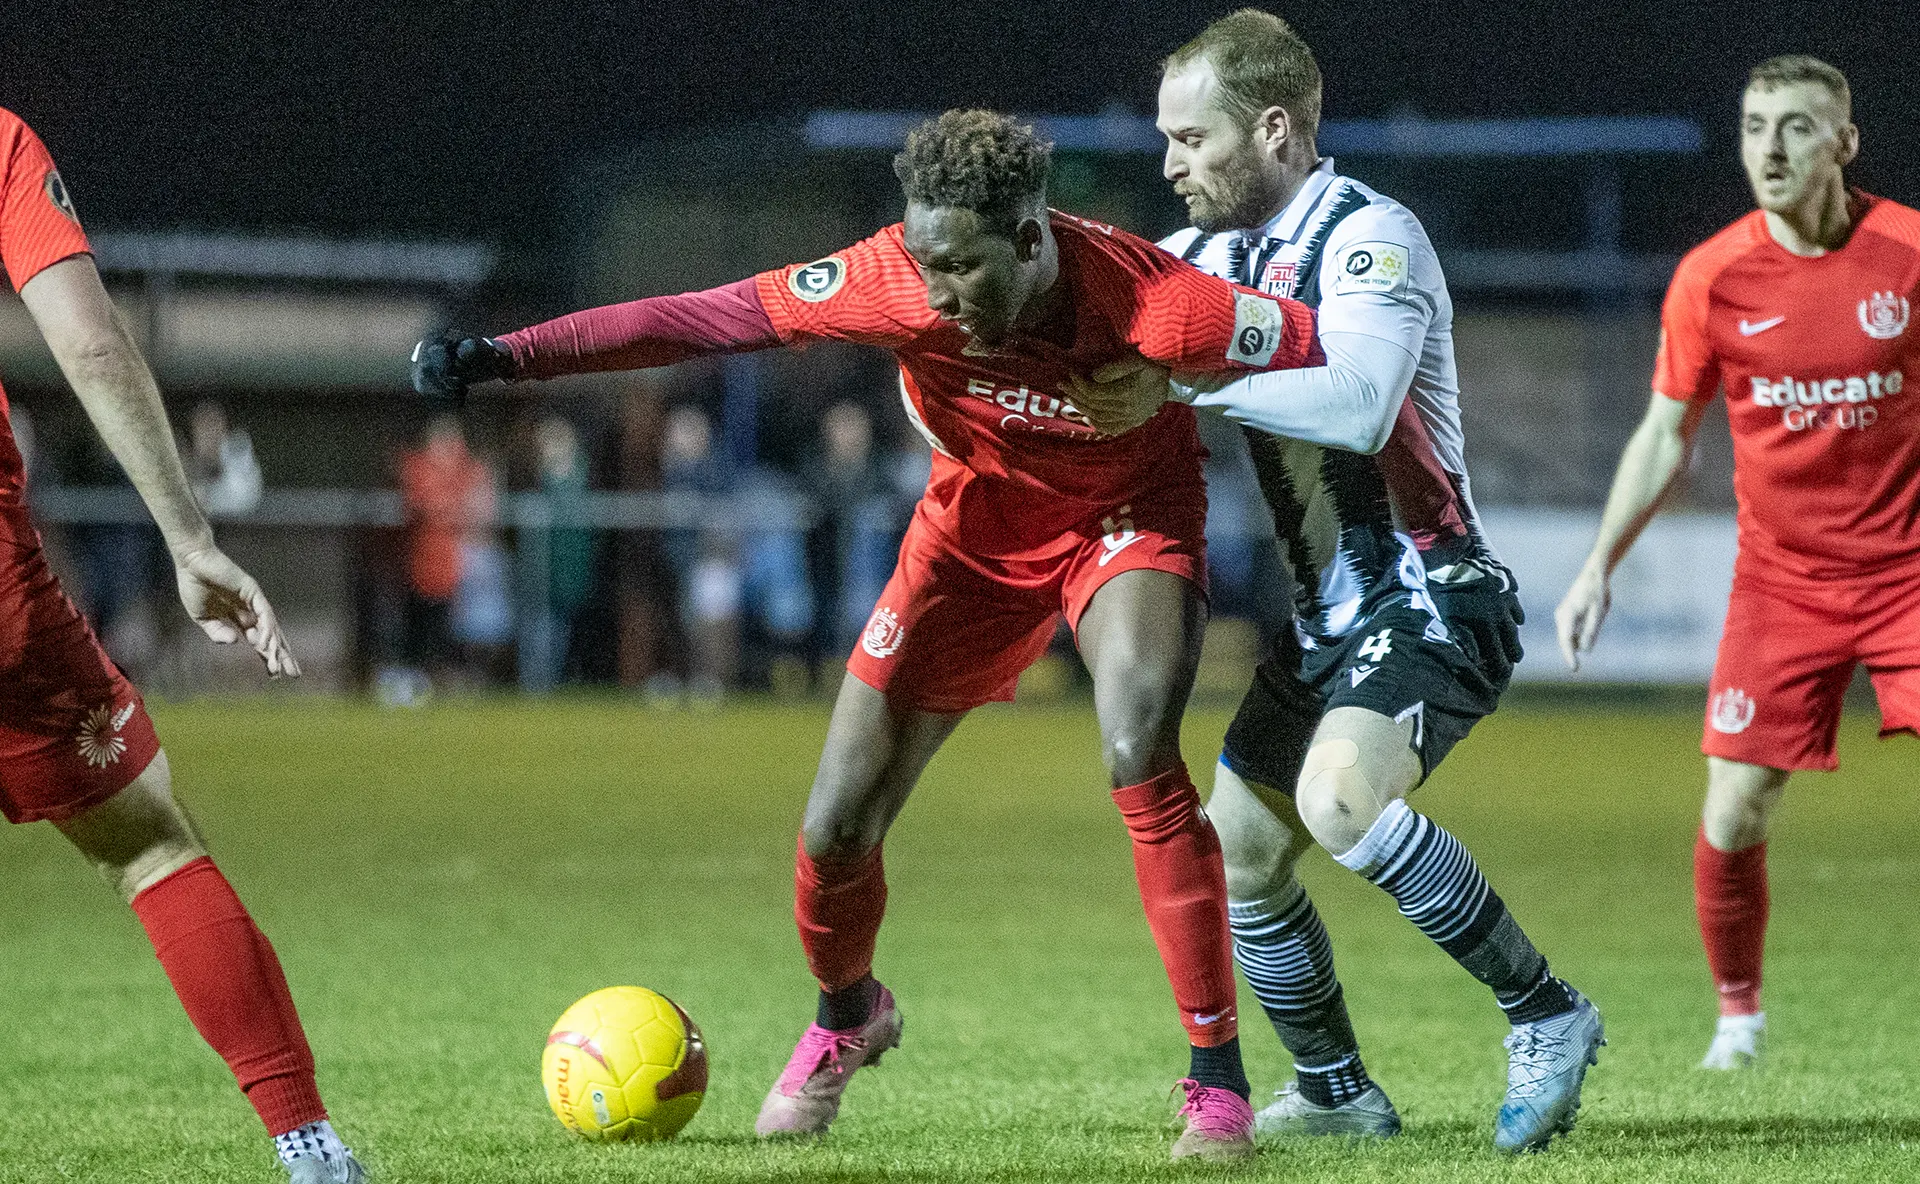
x=103, y=365
x=1648, y=468
x=639, y=334
x=121, y=398
x=1351, y=402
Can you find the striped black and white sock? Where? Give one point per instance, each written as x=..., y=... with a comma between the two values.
x=1440, y=889
x=1283, y=950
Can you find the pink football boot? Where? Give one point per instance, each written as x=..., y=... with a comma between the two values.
x=807, y=1097
x=1219, y=1124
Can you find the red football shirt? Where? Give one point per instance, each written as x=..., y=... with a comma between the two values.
x=38, y=228
x=1030, y=467
x=1817, y=361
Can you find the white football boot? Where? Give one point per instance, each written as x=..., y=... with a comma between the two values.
x=1739, y=1042
x=1290, y=1113
x=1546, y=1065
x=314, y=1154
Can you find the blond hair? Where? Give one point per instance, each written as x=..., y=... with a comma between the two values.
x=1791, y=68
x=1259, y=62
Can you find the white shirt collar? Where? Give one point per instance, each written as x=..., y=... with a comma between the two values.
x=1289, y=222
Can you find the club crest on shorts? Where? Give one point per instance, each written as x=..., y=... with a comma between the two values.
x=1883, y=316
x=1731, y=711
x=884, y=633
x=818, y=281
x=99, y=738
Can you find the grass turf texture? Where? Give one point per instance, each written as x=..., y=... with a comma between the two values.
x=441, y=885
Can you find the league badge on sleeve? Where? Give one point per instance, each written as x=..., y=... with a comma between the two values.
x=818, y=281
x=1257, y=322
x=1371, y=267
x=57, y=194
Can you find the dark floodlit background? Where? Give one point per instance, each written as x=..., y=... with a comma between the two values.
x=284, y=200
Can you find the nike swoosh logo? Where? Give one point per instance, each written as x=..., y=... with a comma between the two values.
x=1115, y=548
x=1362, y=673
x=1749, y=328
x=1204, y=1020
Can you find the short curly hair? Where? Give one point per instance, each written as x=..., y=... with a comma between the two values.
x=976, y=160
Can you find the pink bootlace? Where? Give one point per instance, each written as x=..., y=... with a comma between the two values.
x=818, y=1047
x=1216, y=1113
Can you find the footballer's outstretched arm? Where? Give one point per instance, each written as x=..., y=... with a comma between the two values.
x=1652, y=461
x=635, y=335
x=866, y=293
x=103, y=365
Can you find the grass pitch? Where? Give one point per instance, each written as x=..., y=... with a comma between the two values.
x=441, y=885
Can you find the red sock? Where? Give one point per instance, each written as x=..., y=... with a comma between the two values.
x=228, y=979
x=838, y=904
x=1176, y=859
x=1730, y=894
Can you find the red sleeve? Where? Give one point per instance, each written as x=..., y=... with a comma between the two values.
x=1189, y=321
x=38, y=227
x=870, y=293
x=657, y=331
x=1685, y=367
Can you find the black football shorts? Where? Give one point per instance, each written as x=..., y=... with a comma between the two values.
x=1399, y=662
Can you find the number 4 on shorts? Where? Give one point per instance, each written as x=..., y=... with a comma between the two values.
x=1377, y=647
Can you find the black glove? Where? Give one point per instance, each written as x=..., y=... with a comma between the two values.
x=443, y=366
x=1485, y=617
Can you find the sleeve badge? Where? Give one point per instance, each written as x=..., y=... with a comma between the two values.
x=818, y=281
x=1372, y=267
x=58, y=195
x=1257, y=324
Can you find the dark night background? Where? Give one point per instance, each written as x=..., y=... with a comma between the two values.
x=470, y=121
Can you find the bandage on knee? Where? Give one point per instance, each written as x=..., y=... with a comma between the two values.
x=1333, y=767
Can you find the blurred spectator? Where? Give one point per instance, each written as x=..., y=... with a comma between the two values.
x=705, y=558
x=855, y=539
x=449, y=499
x=123, y=568
x=645, y=620
x=779, y=596
x=220, y=462
x=568, y=558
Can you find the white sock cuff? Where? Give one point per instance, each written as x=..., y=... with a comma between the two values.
x=1383, y=840
x=1277, y=904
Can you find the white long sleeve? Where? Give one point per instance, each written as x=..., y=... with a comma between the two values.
x=1351, y=402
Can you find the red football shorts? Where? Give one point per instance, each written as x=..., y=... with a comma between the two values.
x=952, y=630
x=1788, y=653
x=73, y=731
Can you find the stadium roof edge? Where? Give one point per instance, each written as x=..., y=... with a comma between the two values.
x=1118, y=130
x=294, y=257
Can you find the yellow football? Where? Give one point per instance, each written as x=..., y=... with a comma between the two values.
x=625, y=1063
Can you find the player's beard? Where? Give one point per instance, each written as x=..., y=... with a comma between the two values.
x=1238, y=197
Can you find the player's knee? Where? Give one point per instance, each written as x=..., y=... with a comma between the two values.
x=1140, y=746
x=842, y=836
x=1740, y=802
x=1337, y=799
x=139, y=836
x=1259, y=849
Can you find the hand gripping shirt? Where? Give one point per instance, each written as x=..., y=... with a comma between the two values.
x=1355, y=529
x=1817, y=357
x=1027, y=468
